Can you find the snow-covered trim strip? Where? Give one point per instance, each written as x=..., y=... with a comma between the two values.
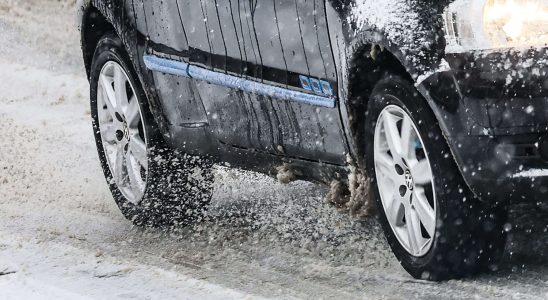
x=531, y=173
x=168, y=66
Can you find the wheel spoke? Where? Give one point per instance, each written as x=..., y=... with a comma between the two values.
x=392, y=134
x=422, y=174
x=132, y=113
x=385, y=164
x=138, y=149
x=110, y=99
x=425, y=212
x=413, y=230
x=102, y=94
x=407, y=137
x=119, y=165
x=395, y=210
x=134, y=175
x=120, y=89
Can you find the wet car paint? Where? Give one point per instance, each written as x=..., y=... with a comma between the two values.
x=275, y=42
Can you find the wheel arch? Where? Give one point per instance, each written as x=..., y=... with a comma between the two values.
x=375, y=57
x=369, y=63
x=93, y=25
x=97, y=18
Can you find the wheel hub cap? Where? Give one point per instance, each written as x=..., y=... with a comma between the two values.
x=404, y=178
x=409, y=180
x=126, y=132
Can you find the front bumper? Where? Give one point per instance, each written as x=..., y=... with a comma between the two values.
x=504, y=169
x=493, y=109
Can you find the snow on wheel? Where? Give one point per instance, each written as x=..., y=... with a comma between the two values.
x=152, y=184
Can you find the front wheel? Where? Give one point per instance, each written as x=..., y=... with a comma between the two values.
x=152, y=184
x=433, y=223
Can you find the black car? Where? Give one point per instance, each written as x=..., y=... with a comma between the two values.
x=441, y=107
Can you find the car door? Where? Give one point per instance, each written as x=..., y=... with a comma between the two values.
x=235, y=118
x=215, y=36
x=172, y=37
x=306, y=131
x=278, y=43
x=283, y=44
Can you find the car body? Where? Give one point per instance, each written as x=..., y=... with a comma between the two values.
x=496, y=140
x=260, y=85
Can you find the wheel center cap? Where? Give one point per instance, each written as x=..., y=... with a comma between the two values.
x=409, y=180
x=126, y=132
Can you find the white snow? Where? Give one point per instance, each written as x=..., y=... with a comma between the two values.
x=51, y=270
x=395, y=18
x=443, y=67
x=531, y=173
x=399, y=23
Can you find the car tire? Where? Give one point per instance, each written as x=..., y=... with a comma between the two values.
x=156, y=186
x=468, y=235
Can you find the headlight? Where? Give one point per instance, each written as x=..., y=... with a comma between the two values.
x=490, y=24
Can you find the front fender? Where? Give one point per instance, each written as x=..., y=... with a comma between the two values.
x=411, y=30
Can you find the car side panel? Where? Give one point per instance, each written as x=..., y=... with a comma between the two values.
x=230, y=26
x=232, y=116
x=215, y=35
x=246, y=15
x=164, y=24
x=179, y=99
x=208, y=119
x=290, y=35
x=268, y=36
x=307, y=12
x=192, y=20
x=307, y=131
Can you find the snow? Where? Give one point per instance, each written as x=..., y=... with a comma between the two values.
x=62, y=236
x=398, y=22
x=72, y=273
x=532, y=173
x=395, y=18
x=353, y=197
x=443, y=67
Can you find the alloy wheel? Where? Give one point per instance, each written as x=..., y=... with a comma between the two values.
x=404, y=179
x=122, y=129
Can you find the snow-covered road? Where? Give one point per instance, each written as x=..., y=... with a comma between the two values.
x=62, y=236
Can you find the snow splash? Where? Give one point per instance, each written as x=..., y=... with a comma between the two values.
x=353, y=197
x=286, y=174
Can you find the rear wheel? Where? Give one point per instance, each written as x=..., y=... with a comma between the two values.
x=152, y=184
x=434, y=225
